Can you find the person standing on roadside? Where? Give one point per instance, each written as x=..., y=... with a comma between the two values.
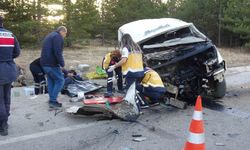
x=52, y=62
x=9, y=49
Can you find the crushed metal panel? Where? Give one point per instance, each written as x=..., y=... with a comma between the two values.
x=82, y=86
x=126, y=110
x=177, y=41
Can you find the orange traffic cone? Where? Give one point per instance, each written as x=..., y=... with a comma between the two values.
x=196, y=139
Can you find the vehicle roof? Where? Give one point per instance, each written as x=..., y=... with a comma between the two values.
x=142, y=30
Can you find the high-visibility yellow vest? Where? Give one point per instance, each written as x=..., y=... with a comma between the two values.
x=152, y=78
x=106, y=61
x=133, y=64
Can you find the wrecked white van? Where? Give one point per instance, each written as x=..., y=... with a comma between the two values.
x=187, y=61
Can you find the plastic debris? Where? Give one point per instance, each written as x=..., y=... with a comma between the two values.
x=139, y=139
x=73, y=109
x=219, y=144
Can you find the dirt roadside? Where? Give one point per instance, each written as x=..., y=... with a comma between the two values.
x=93, y=55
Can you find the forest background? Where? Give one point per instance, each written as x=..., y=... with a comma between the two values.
x=225, y=22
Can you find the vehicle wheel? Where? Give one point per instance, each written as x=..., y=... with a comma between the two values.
x=220, y=89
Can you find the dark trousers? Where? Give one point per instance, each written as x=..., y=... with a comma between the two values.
x=118, y=72
x=39, y=78
x=148, y=92
x=5, y=91
x=40, y=84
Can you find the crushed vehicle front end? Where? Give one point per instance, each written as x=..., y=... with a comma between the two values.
x=187, y=61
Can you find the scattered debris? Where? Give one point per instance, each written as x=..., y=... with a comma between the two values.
x=233, y=135
x=139, y=139
x=41, y=124
x=127, y=148
x=176, y=103
x=102, y=100
x=237, y=113
x=136, y=135
x=57, y=111
x=75, y=99
x=73, y=109
x=126, y=110
x=28, y=115
x=152, y=128
x=86, y=86
x=33, y=97
x=116, y=132
x=219, y=144
x=215, y=134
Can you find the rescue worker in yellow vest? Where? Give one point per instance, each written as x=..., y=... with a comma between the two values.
x=111, y=59
x=151, y=87
x=131, y=61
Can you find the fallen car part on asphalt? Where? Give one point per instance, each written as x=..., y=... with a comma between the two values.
x=85, y=87
x=102, y=100
x=126, y=110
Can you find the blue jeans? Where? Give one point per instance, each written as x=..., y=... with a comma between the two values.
x=55, y=81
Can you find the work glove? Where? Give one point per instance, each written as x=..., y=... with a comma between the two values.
x=111, y=68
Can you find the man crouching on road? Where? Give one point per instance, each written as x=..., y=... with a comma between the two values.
x=52, y=62
x=9, y=49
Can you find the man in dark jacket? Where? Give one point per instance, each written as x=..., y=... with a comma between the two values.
x=52, y=62
x=9, y=49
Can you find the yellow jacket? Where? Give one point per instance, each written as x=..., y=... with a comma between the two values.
x=152, y=78
x=133, y=64
x=106, y=61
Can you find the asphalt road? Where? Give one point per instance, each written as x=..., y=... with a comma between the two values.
x=34, y=127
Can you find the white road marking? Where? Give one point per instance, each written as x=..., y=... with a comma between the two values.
x=46, y=133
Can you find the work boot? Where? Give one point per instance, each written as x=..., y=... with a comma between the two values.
x=4, y=128
x=55, y=104
x=141, y=102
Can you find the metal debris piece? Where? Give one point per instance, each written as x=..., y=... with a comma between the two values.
x=136, y=135
x=116, y=132
x=215, y=134
x=41, y=124
x=176, y=103
x=28, y=115
x=57, y=111
x=219, y=144
x=127, y=148
x=233, y=135
x=126, y=110
x=139, y=139
x=73, y=109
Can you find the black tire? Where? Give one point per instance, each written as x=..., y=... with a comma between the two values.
x=220, y=89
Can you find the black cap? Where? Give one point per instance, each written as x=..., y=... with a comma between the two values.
x=1, y=21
